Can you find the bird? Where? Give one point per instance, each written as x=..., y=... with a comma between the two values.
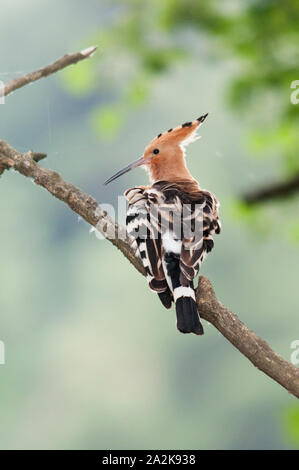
x=172, y=221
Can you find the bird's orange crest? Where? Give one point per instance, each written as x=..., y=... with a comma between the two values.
x=182, y=135
x=164, y=156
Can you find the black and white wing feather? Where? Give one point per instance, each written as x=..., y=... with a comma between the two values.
x=144, y=226
x=204, y=224
x=173, y=225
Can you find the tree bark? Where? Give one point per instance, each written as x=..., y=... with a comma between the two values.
x=65, y=61
x=239, y=335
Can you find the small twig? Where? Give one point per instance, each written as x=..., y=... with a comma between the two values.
x=277, y=190
x=37, y=156
x=245, y=340
x=7, y=163
x=59, y=64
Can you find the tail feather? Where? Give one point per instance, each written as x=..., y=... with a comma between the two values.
x=166, y=298
x=188, y=320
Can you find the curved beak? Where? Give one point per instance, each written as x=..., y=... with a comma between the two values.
x=139, y=162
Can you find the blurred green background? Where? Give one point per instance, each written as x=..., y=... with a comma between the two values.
x=92, y=358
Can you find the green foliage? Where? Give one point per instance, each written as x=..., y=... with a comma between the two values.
x=293, y=232
x=256, y=217
x=291, y=424
x=263, y=36
x=80, y=79
x=138, y=92
x=283, y=139
x=108, y=120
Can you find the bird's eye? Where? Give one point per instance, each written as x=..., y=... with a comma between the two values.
x=155, y=151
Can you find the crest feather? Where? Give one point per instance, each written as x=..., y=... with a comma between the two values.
x=182, y=135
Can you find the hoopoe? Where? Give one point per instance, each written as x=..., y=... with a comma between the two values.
x=172, y=222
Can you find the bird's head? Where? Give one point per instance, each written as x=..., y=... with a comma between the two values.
x=164, y=156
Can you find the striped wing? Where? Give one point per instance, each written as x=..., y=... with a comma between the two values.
x=154, y=211
x=204, y=224
x=143, y=224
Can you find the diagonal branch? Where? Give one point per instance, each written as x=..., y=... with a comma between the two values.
x=245, y=340
x=84, y=205
x=278, y=190
x=239, y=335
x=65, y=61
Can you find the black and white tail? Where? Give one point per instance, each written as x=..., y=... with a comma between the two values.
x=188, y=320
x=186, y=311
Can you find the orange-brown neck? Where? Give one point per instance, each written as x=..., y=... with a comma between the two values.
x=169, y=168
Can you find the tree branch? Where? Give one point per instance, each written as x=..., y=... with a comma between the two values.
x=279, y=190
x=59, y=64
x=245, y=340
x=84, y=205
